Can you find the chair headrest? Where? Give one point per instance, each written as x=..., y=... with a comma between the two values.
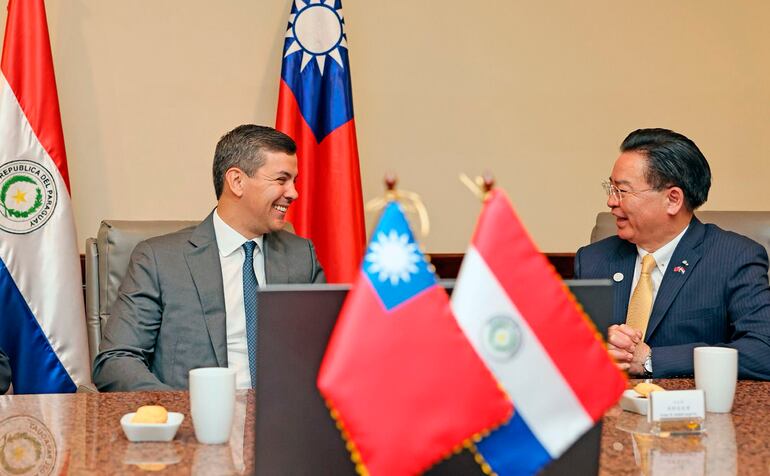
x=116, y=241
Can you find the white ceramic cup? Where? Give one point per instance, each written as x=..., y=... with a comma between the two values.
x=212, y=403
x=716, y=373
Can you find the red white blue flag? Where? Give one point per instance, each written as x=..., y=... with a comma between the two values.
x=315, y=108
x=42, y=318
x=402, y=380
x=527, y=327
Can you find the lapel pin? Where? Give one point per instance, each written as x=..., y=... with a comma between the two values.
x=617, y=277
x=681, y=269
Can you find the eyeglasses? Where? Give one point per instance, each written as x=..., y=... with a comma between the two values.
x=617, y=193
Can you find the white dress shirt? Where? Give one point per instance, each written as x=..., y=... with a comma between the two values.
x=662, y=260
x=231, y=256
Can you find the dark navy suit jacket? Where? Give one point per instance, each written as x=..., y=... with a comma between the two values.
x=722, y=298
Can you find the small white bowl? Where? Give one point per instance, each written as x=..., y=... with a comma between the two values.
x=632, y=402
x=151, y=431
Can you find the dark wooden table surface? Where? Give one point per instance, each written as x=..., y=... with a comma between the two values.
x=81, y=434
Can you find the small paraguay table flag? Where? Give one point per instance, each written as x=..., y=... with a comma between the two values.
x=527, y=327
x=399, y=375
x=315, y=108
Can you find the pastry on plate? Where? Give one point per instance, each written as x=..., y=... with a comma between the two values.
x=150, y=414
x=644, y=389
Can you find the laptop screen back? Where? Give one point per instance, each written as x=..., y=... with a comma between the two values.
x=295, y=433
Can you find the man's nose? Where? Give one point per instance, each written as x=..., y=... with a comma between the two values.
x=291, y=192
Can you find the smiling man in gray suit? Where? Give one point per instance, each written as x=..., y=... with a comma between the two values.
x=189, y=298
x=679, y=283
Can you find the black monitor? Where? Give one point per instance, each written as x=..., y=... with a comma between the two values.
x=295, y=433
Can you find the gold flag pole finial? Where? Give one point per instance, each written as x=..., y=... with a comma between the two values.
x=409, y=200
x=481, y=186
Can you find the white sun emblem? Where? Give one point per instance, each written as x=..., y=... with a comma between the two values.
x=393, y=258
x=317, y=31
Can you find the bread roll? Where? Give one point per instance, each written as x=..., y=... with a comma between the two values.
x=645, y=389
x=150, y=414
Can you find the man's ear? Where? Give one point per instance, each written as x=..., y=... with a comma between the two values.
x=675, y=197
x=234, y=180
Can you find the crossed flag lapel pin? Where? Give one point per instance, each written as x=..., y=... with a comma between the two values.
x=682, y=268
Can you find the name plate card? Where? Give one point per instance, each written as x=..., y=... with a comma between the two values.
x=677, y=405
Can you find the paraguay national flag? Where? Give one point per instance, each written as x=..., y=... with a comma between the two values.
x=527, y=327
x=315, y=108
x=42, y=319
x=402, y=380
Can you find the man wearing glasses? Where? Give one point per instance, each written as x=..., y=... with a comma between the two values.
x=679, y=283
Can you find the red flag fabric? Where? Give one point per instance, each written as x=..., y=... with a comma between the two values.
x=27, y=65
x=399, y=375
x=315, y=108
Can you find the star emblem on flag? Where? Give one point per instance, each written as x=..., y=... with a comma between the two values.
x=392, y=258
x=393, y=261
x=318, y=31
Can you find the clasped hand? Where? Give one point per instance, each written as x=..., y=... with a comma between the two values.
x=627, y=348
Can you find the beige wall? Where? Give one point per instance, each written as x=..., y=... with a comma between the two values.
x=540, y=93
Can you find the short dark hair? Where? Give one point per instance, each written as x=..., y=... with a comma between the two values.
x=243, y=147
x=673, y=160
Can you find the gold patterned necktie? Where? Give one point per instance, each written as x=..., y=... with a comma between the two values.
x=641, y=300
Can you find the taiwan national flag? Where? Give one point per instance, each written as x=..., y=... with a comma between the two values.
x=315, y=108
x=42, y=320
x=399, y=375
x=543, y=349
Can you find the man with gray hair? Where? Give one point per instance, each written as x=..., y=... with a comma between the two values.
x=189, y=298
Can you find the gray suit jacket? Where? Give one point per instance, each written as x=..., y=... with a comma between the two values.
x=169, y=316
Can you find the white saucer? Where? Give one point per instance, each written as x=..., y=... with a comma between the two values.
x=151, y=431
x=632, y=402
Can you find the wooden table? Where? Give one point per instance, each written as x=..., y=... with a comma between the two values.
x=81, y=434
x=734, y=443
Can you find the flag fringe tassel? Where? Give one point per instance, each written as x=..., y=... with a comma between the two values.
x=485, y=467
x=355, y=456
x=469, y=443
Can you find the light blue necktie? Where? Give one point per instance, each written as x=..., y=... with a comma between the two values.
x=250, y=286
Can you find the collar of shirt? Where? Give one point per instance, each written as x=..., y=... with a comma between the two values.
x=664, y=253
x=229, y=240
